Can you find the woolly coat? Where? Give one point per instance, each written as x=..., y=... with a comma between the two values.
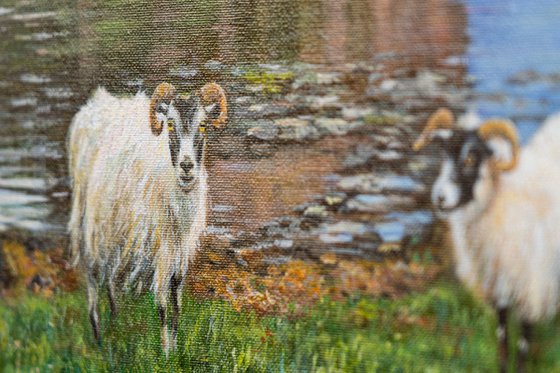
x=130, y=222
x=509, y=248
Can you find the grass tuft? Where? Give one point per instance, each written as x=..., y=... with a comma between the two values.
x=441, y=329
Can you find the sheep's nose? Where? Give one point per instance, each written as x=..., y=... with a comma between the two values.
x=186, y=166
x=440, y=200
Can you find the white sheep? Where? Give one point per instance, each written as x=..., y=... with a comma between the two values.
x=503, y=207
x=140, y=192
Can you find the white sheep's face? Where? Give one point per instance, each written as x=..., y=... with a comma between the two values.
x=185, y=120
x=465, y=176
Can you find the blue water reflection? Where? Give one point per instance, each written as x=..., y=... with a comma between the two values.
x=509, y=38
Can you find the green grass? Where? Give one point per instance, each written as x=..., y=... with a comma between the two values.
x=442, y=329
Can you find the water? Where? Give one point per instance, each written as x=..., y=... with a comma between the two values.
x=53, y=54
x=509, y=38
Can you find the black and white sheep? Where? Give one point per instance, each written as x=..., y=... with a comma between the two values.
x=502, y=204
x=139, y=184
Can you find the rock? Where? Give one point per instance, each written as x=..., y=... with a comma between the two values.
x=284, y=244
x=332, y=126
x=353, y=113
x=334, y=199
x=413, y=219
x=524, y=77
x=328, y=78
x=377, y=203
x=374, y=77
x=238, y=71
x=388, y=155
x=269, y=110
x=311, y=78
x=388, y=248
x=258, y=150
x=34, y=16
x=388, y=85
x=419, y=164
x=364, y=153
x=39, y=282
x=296, y=129
x=324, y=102
x=361, y=235
x=401, y=224
x=58, y=92
x=360, y=156
x=252, y=88
x=34, y=79
x=23, y=102
x=345, y=226
x=316, y=211
x=243, y=99
x=213, y=65
x=428, y=82
x=283, y=227
x=370, y=183
x=392, y=231
x=391, y=131
x=277, y=260
x=303, y=80
x=266, y=131
x=336, y=238
x=4, y=11
x=397, y=145
x=184, y=72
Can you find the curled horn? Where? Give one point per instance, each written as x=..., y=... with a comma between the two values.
x=505, y=129
x=163, y=92
x=442, y=118
x=212, y=93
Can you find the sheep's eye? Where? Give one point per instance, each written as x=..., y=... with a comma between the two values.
x=202, y=127
x=469, y=161
x=171, y=125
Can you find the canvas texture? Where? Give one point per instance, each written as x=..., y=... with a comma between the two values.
x=279, y=186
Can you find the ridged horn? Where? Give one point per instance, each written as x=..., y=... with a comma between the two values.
x=163, y=92
x=442, y=118
x=505, y=129
x=212, y=93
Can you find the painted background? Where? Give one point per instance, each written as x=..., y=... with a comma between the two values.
x=322, y=252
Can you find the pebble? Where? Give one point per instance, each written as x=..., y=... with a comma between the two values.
x=296, y=129
x=345, y=226
x=377, y=203
x=265, y=131
x=370, y=183
x=353, y=113
x=332, y=126
x=316, y=211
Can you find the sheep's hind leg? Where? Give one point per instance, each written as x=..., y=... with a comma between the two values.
x=92, y=307
x=162, y=310
x=112, y=299
x=175, y=299
x=502, y=336
x=523, y=346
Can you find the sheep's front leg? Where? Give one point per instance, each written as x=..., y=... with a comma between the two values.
x=92, y=307
x=175, y=299
x=502, y=336
x=523, y=346
x=162, y=310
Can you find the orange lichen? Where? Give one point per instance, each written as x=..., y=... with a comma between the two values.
x=245, y=281
x=41, y=272
x=242, y=277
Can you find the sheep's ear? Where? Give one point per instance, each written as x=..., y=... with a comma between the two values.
x=501, y=137
x=161, y=99
x=214, y=101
